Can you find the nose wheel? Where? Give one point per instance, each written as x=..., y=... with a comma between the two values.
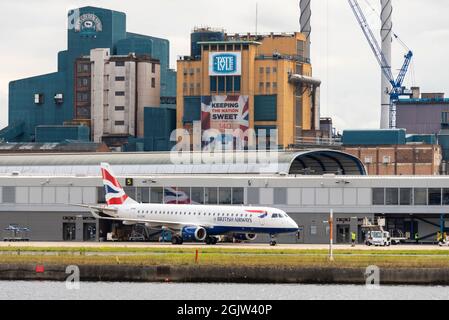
x=273, y=241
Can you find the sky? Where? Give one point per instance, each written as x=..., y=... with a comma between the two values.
x=33, y=32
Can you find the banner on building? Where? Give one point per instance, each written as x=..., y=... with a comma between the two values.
x=225, y=64
x=225, y=113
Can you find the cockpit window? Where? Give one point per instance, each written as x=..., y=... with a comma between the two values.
x=275, y=215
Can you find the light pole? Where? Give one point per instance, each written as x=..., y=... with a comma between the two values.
x=331, y=234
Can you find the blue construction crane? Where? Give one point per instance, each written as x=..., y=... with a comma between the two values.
x=398, y=89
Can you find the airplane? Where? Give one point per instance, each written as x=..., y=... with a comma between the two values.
x=200, y=223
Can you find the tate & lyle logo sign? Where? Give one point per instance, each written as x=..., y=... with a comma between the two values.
x=225, y=64
x=88, y=24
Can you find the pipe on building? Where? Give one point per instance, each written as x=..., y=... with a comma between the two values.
x=386, y=36
x=304, y=20
x=304, y=80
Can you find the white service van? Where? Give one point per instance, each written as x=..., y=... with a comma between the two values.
x=378, y=238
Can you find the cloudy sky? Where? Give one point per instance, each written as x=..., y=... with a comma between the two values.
x=34, y=31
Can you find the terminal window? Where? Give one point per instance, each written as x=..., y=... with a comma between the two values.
x=237, y=196
x=378, y=196
x=406, y=197
x=225, y=196
x=392, y=197
x=420, y=197
x=445, y=197
x=211, y=196
x=9, y=194
x=156, y=195
x=197, y=195
x=434, y=197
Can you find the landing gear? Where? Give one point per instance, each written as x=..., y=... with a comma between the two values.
x=211, y=240
x=273, y=241
x=177, y=240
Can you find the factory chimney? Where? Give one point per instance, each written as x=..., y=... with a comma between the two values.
x=304, y=21
x=386, y=36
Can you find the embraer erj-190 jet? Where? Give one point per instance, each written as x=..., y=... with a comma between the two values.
x=191, y=222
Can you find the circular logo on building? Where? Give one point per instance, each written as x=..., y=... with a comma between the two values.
x=88, y=24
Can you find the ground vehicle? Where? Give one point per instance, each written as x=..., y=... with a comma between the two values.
x=378, y=238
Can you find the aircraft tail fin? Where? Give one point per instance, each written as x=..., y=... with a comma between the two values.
x=114, y=193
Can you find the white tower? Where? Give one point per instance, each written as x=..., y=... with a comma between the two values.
x=386, y=36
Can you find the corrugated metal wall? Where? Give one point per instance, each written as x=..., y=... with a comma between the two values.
x=265, y=108
x=47, y=134
x=159, y=124
x=374, y=137
x=192, y=109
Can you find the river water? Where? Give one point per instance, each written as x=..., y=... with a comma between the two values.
x=169, y=291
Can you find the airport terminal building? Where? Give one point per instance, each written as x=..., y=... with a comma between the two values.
x=38, y=192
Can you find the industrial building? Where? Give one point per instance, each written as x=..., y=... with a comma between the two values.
x=127, y=84
x=36, y=191
x=424, y=113
x=73, y=94
x=393, y=152
x=248, y=82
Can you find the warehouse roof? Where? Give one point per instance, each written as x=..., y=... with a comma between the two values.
x=306, y=162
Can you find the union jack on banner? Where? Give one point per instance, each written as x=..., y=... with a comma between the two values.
x=244, y=120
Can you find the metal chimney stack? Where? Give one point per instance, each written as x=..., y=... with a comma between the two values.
x=306, y=13
x=386, y=36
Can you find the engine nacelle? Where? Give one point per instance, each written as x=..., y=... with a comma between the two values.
x=129, y=223
x=194, y=233
x=245, y=236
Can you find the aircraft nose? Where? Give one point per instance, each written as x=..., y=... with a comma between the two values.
x=293, y=224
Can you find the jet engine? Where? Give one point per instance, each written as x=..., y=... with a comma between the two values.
x=194, y=233
x=245, y=236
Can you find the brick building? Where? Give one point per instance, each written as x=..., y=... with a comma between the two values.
x=409, y=159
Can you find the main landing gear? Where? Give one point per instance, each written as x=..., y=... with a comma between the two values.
x=211, y=240
x=273, y=241
x=177, y=240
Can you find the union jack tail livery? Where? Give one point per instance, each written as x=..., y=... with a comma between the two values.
x=114, y=193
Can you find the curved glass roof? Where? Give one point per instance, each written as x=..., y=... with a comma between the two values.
x=306, y=162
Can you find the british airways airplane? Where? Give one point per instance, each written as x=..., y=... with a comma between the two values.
x=191, y=222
